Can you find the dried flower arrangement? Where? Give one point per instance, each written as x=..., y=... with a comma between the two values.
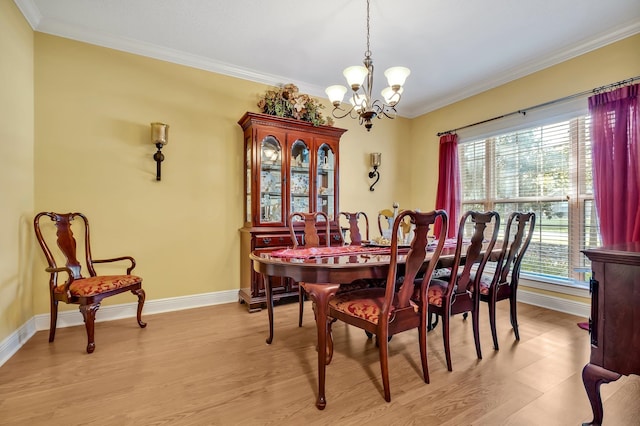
x=287, y=102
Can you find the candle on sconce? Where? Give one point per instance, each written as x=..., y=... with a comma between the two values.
x=160, y=133
x=376, y=159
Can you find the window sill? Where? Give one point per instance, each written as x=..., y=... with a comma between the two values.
x=578, y=289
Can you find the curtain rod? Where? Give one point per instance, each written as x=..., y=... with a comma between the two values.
x=566, y=98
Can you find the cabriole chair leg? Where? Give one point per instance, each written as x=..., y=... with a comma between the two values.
x=89, y=315
x=141, y=297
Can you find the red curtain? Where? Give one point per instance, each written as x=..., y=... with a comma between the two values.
x=616, y=181
x=448, y=196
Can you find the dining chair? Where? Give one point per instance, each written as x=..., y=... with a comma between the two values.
x=384, y=220
x=354, y=220
x=454, y=294
x=316, y=224
x=355, y=238
x=385, y=311
x=503, y=284
x=86, y=291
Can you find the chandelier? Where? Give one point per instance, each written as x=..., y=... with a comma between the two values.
x=360, y=79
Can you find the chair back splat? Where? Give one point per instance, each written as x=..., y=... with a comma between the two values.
x=85, y=291
x=456, y=293
x=314, y=228
x=385, y=311
x=355, y=236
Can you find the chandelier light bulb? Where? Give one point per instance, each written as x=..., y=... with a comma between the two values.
x=355, y=76
x=396, y=76
x=391, y=96
x=336, y=94
x=359, y=102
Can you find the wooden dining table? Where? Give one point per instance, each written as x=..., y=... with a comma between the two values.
x=322, y=275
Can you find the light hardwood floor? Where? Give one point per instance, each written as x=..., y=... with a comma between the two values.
x=211, y=366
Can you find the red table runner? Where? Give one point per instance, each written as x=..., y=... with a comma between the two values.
x=311, y=252
x=308, y=253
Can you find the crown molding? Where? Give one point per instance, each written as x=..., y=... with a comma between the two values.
x=86, y=35
x=30, y=12
x=529, y=68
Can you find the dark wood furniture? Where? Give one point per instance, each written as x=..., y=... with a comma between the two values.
x=353, y=219
x=615, y=319
x=330, y=272
x=315, y=225
x=385, y=311
x=290, y=166
x=455, y=294
x=503, y=284
x=86, y=291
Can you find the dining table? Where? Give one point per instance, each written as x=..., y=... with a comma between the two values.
x=323, y=270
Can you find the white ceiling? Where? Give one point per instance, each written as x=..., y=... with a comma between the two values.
x=454, y=48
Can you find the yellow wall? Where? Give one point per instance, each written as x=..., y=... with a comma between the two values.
x=16, y=168
x=93, y=109
x=612, y=63
x=89, y=151
x=609, y=64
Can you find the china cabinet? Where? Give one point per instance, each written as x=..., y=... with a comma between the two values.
x=289, y=166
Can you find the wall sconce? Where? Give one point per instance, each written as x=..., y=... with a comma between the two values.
x=375, y=163
x=159, y=137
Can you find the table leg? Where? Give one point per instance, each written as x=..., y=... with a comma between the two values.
x=592, y=377
x=267, y=289
x=320, y=295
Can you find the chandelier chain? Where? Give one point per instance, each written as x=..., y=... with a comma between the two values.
x=368, y=52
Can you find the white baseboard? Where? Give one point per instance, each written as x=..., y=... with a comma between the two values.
x=555, y=303
x=128, y=310
x=14, y=342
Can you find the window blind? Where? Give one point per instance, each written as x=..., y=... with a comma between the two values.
x=545, y=168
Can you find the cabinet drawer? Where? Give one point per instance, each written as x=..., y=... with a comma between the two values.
x=273, y=240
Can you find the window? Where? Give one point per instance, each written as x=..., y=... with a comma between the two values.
x=545, y=168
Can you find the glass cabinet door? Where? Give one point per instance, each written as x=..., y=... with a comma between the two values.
x=299, y=177
x=325, y=186
x=270, y=180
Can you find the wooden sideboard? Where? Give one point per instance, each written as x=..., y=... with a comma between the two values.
x=614, y=325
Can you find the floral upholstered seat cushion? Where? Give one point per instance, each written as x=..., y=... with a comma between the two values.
x=92, y=286
x=435, y=292
x=485, y=284
x=365, y=303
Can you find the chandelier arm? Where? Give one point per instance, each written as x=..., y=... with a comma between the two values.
x=354, y=114
x=386, y=111
x=379, y=106
x=338, y=115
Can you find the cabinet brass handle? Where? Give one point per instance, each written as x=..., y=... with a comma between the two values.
x=266, y=240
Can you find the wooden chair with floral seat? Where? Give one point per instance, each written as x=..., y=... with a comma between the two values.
x=355, y=238
x=454, y=294
x=503, y=284
x=390, y=310
x=385, y=221
x=316, y=224
x=86, y=291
